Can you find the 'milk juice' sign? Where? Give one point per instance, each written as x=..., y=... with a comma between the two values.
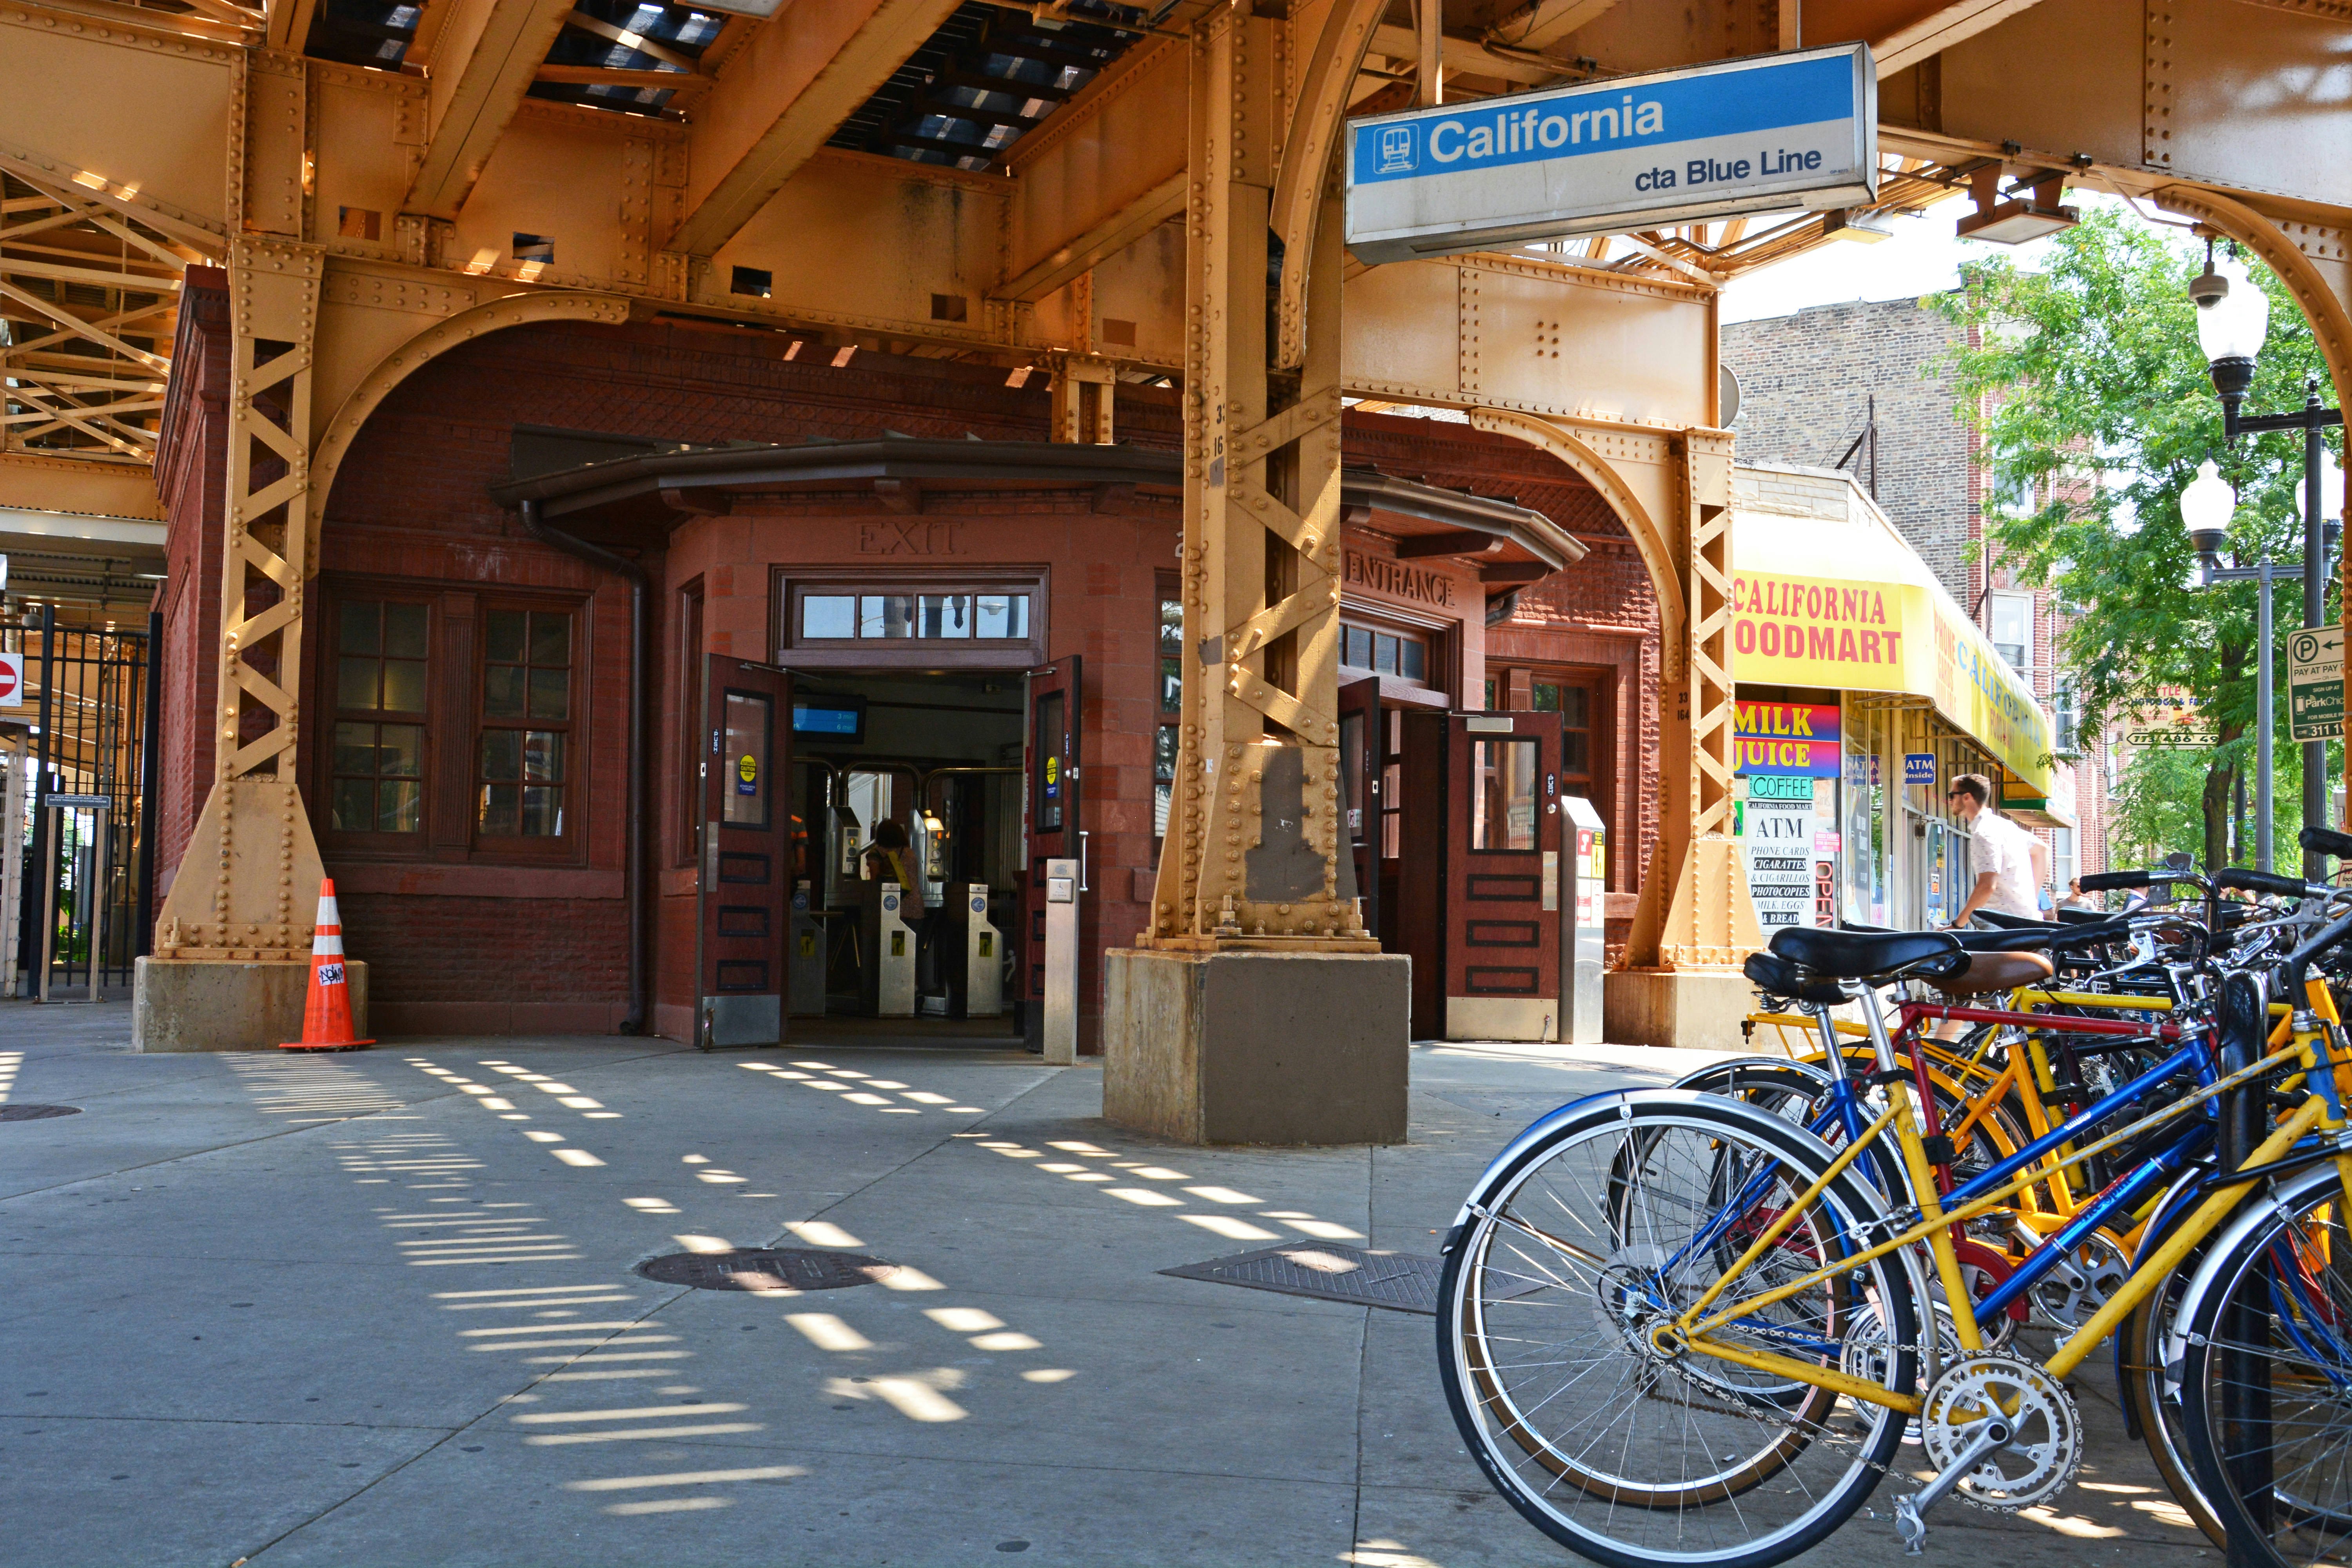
x=1774, y=132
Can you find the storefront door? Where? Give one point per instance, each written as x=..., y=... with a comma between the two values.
x=1363, y=740
x=746, y=853
x=1488, y=964
x=1050, y=823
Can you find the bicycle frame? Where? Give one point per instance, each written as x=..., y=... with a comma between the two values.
x=2318, y=1111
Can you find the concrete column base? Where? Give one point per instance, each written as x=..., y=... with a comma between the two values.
x=1257, y=1047
x=1700, y=1008
x=207, y=1005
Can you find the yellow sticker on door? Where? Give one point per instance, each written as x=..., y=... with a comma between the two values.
x=747, y=774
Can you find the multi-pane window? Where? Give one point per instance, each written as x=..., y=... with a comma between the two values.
x=1574, y=705
x=523, y=762
x=1171, y=702
x=1383, y=652
x=378, y=780
x=980, y=615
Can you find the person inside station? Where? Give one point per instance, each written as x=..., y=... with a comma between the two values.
x=890, y=857
x=2012, y=864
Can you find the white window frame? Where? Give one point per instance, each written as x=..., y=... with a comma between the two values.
x=1996, y=602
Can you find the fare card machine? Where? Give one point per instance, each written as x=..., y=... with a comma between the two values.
x=886, y=978
x=976, y=988
x=805, y=957
x=1583, y=933
x=841, y=872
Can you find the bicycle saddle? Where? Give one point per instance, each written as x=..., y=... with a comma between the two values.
x=1994, y=971
x=1775, y=977
x=1861, y=956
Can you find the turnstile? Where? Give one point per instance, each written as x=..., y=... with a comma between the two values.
x=887, y=976
x=805, y=957
x=975, y=978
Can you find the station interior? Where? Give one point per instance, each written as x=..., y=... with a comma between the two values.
x=939, y=756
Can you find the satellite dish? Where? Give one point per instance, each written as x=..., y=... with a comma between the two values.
x=1726, y=394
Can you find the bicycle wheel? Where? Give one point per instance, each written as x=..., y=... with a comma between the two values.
x=2266, y=1375
x=1611, y=1217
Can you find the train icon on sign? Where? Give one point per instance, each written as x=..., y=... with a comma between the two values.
x=1396, y=150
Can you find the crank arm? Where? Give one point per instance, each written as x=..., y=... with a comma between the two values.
x=1993, y=1434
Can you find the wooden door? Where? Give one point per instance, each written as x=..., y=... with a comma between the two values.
x=1050, y=821
x=747, y=853
x=1502, y=923
x=1363, y=746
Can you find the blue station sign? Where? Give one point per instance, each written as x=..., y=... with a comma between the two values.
x=1780, y=130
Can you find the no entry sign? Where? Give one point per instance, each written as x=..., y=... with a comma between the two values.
x=12, y=680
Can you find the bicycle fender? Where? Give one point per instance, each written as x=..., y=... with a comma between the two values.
x=2281, y=1199
x=1620, y=1104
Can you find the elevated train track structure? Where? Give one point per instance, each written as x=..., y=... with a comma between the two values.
x=1099, y=194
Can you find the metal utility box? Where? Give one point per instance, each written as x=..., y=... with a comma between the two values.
x=885, y=971
x=1584, y=932
x=1061, y=998
x=975, y=985
x=805, y=957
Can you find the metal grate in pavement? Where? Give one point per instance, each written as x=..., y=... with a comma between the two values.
x=37, y=1112
x=1397, y=1280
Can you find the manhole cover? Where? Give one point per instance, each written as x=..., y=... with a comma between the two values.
x=37, y=1112
x=766, y=1268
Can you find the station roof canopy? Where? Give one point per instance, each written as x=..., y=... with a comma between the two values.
x=632, y=491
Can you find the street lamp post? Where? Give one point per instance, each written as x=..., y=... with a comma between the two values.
x=2232, y=318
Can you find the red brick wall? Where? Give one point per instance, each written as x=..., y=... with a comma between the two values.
x=461, y=939
x=191, y=479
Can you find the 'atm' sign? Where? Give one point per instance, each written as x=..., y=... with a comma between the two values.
x=12, y=680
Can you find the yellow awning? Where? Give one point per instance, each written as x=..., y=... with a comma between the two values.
x=1844, y=605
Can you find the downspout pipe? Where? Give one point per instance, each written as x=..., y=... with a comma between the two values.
x=634, y=885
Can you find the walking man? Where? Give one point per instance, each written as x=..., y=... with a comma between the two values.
x=2012, y=864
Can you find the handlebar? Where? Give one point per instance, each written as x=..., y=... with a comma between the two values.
x=2298, y=961
x=2326, y=841
x=2260, y=882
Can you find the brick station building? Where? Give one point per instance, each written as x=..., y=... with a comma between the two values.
x=466, y=761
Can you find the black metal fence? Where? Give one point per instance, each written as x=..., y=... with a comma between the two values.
x=90, y=692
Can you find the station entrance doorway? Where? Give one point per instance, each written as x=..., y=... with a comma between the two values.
x=1477, y=853
x=883, y=888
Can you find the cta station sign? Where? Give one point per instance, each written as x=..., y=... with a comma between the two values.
x=1630, y=152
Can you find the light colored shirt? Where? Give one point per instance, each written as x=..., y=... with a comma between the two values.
x=2006, y=851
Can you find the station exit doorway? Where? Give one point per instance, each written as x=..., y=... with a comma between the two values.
x=872, y=848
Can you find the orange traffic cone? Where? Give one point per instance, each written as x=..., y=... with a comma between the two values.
x=327, y=1011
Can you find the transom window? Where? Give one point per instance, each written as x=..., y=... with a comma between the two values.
x=378, y=781
x=523, y=762
x=1383, y=652
x=978, y=616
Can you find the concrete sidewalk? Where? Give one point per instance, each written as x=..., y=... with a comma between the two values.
x=378, y=1309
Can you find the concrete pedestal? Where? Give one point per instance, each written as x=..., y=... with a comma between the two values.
x=203, y=1005
x=1257, y=1047
x=1700, y=1008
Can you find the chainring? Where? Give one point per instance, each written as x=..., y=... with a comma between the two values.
x=2043, y=1457
x=2080, y=1282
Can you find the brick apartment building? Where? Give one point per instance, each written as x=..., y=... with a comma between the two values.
x=1809, y=384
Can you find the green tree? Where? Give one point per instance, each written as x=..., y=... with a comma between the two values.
x=2084, y=380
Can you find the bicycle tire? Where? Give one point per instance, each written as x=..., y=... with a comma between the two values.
x=1637, y=1505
